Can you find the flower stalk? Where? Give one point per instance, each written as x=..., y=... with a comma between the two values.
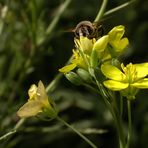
x=102, y=10
x=129, y=124
x=115, y=114
x=76, y=131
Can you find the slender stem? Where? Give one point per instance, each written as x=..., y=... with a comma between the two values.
x=101, y=11
x=118, y=8
x=129, y=123
x=19, y=123
x=121, y=105
x=91, y=88
x=7, y=134
x=118, y=121
x=14, y=130
x=76, y=131
x=57, y=17
x=105, y=98
x=115, y=114
x=120, y=130
x=52, y=85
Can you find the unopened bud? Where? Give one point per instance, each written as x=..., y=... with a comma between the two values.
x=116, y=33
x=94, y=59
x=101, y=44
x=84, y=75
x=74, y=78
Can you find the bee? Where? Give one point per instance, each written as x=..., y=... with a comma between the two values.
x=88, y=29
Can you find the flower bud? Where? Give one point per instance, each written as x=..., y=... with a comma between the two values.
x=84, y=75
x=116, y=33
x=94, y=59
x=101, y=44
x=74, y=78
x=116, y=41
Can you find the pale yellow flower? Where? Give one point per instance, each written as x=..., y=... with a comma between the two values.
x=38, y=102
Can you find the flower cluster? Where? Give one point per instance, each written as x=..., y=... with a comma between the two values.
x=102, y=55
x=92, y=52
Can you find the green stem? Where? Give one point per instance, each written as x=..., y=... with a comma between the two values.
x=129, y=123
x=52, y=85
x=34, y=27
x=13, y=131
x=76, y=131
x=119, y=125
x=92, y=88
x=118, y=8
x=104, y=96
x=101, y=11
x=57, y=17
x=121, y=105
x=118, y=121
x=7, y=134
x=115, y=114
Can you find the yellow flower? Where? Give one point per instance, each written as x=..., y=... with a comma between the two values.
x=127, y=80
x=38, y=102
x=84, y=44
x=115, y=39
x=77, y=61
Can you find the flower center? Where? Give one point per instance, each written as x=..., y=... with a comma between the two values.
x=130, y=72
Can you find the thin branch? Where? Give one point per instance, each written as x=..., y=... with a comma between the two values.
x=118, y=8
x=101, y=11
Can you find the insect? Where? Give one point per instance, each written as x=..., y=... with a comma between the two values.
x=88, y=29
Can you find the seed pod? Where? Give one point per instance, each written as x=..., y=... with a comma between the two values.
x=74, y=78
x=84, y=75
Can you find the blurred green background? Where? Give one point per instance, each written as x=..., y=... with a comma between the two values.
x=31, y=49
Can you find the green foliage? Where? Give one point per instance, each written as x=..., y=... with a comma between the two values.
x=34, y=44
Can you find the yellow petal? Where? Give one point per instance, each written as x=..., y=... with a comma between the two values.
x=143, y=84
x=84, y=44
x=142, y=70
x=32, y=92
x=29, y=109
x=78, y=61
x=42, y=95
x=116, y=33
x=112, y=72
x=120, y=45
x=101, y=44
x=105, y=55
x=67, y=68
x=123, y=43
x=115, y=85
